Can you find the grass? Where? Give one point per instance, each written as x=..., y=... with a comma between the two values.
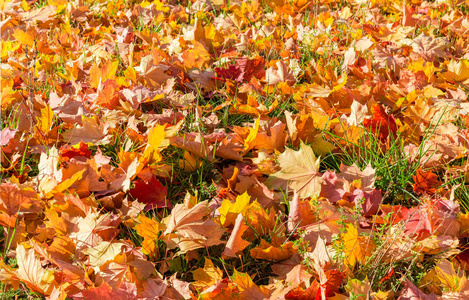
x=7, y=293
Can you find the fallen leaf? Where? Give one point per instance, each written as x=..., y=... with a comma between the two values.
x=31, y=272
x=300, y=214
x=299, y=171
x=93, y=131
x=206, y=276
x=425, y=182
x=411, y=292
x=152, y=193
x=229, y=211
x=236, y=243
x=100, y=75
x=358, y=248
x=248, y=289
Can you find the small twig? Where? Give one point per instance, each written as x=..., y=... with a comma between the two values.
x=31, y=65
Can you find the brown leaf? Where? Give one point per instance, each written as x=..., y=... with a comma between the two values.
x=93, y=131
x=366, y=177
x=301, y=213
x=236, y=243
x=273, y=76
x=31, y=272
x=151, y=74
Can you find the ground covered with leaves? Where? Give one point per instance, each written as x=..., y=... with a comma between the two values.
x=234, y=149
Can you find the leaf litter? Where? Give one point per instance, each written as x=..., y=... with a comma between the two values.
x=235, y=149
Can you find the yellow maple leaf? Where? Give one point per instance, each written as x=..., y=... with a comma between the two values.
x=64, y=185
x=248, y=289
x=229, y=210
x=458, y=70
x=7, y=47
x=250, y=141
x=44, y=122
x=207, y=276
x=155, y=137
x=23, y=37
x=149, y=229
x=358, y=248
x=271, y=251
x=100, y=75
x=299, y=171
x=451, y=278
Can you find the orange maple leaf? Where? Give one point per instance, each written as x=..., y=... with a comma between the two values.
x=425, y=182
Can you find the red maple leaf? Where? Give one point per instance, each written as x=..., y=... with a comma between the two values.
x=243, y=70
x=152, y=193
x=69, y=152
x=381, y=123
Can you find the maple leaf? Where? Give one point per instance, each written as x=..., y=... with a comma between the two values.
x=411, y=292
x=233, y=72
x=366, y=177
x=301, y=213
x=280, y=75
x=425, y=182
x=206, y=276
x=93, y=131
x=103, y=252
x=333, y=187
x=229, y=211
x=152, y=193
x=100, y=75
x=6, y=134
x=359, y=288
x=248, y=289
x=298, y=275
x=14, y=199
x=150, y=230
x=369, y=201
x=153, y=288
x=274, y=250
x=418, y=223
x=108, y=96
x=31, y=272
x=153, y=75
x=93, y=229
x=177, y=289
x=243, y=70
x=381, y=123
x=236, y=243
x=261, y=221
x=62, y=248
x=359, y=248
x=44, y=122
x=449, y=277
x=458, y=70
x=299, y=171
x=189, y=229
x=104, y=292
x=273, y=138
x=67, y=152
x=301, y=293
x=181, y=216
x=430, y=48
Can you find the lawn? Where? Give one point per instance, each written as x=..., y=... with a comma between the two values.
x=285, y=149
